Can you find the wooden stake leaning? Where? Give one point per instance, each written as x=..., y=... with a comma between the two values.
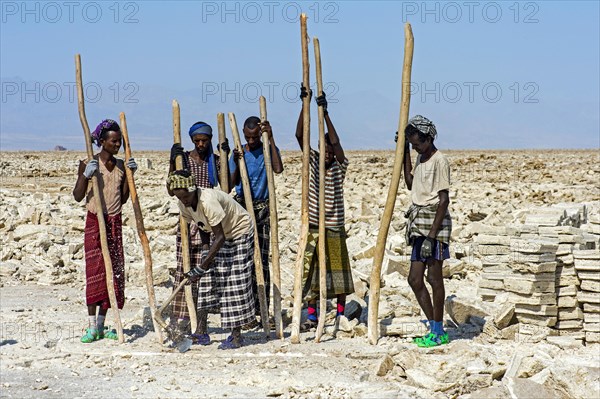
x=223, y=176
x=274, y=222
x=296, y=316
x=260, y=278
x=322, y=238
x=183, y=225
x=112, y=297
x=374, y=290
x=139, y=221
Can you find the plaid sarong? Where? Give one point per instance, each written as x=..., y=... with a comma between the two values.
x=263, y=226
x=228, y=282
x=339, y=274
x=420, y=219
x=95, y=271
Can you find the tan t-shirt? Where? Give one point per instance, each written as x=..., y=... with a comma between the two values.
x=110, y=184
x=214, y=207
x=429, y=178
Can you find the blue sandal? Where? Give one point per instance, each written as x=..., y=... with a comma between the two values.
x=229, y=343
x=200, y=339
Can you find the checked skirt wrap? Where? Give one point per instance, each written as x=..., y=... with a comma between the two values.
x=420, y=219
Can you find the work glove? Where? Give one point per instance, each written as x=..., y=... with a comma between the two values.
x=224, y=146
x=195, y=273
x=304, y=92
x=132, y=165
x=322, y=102
x=90, y=168
x=427, y=247
x=176, y=150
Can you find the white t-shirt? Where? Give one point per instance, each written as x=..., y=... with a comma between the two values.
x=214, y=207
x=429, y=178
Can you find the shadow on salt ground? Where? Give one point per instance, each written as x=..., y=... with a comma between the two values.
x=469, y=330
x=136, y=332
x=8, y=342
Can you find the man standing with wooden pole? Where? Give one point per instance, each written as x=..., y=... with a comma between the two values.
x=139, y=221
x=375, y=284
x=258, y=266
x=297, y=311
x=273, y=220
x=254, y=155
x=97, y=194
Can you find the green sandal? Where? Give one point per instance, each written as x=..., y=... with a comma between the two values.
x=431, y=340
x=110, y=334
x=91, y=335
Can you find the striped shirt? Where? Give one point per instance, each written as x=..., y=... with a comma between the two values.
x=334, y=192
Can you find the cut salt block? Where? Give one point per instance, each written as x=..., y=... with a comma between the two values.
x=570, y=313
x=564, y=249
x=591, y=317
x=534, y=246
x=569, y=324
x=558, y=230
x=489, y=239
x=538, y=310
x=591, y=327
x=566, y=301
x=592, y=337
x=403, y=327
x=566, y=259
x=532, y=258
x=590, y=285
x=591, y=265
x=576, y=333
x=570, y=290
x=545, y=321
x=492, y=284
x=585, y=275
x=492, y=250
x=533, y=299
x=535, y=268
x=565, y=271
x=528, y=287
x=591, y=308
x=562, y=281
x=588, y=297
x=586, y=254
x=505, y=315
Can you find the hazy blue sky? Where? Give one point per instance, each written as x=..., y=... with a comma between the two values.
x=489, y=74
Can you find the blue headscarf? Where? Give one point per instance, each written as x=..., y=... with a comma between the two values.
x=204, y=128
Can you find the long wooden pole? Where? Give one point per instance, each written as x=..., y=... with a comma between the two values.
x=183, y=225
x=139, y=221
x=112, y=297
x=223, y=175
x=297, y=312
x=375, y=286
x=274, y=222
x=322, y=238
x=260, y=278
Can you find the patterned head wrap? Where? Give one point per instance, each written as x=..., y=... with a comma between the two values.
x=423, y=125
x=182, y=179
x=106, y=125
x=204, y=128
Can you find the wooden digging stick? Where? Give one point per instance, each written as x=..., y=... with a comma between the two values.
x=139, y=221
x=223, y=175
x=157, y=315
x=183, y=225
x=112, y=297
x=374, y=290
x=322, y=238
x=274, y=222
x=297, y=312
x=260, y=278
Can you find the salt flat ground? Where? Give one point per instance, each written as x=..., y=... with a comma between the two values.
x=43, y=310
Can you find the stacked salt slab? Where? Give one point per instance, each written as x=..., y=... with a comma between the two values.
x=492, y=245
x=587, y=265
x=569, y=315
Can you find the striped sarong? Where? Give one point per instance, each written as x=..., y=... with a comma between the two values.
x=419, y=222
x=339, y=274
x=228, y=283
x=95, y=271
